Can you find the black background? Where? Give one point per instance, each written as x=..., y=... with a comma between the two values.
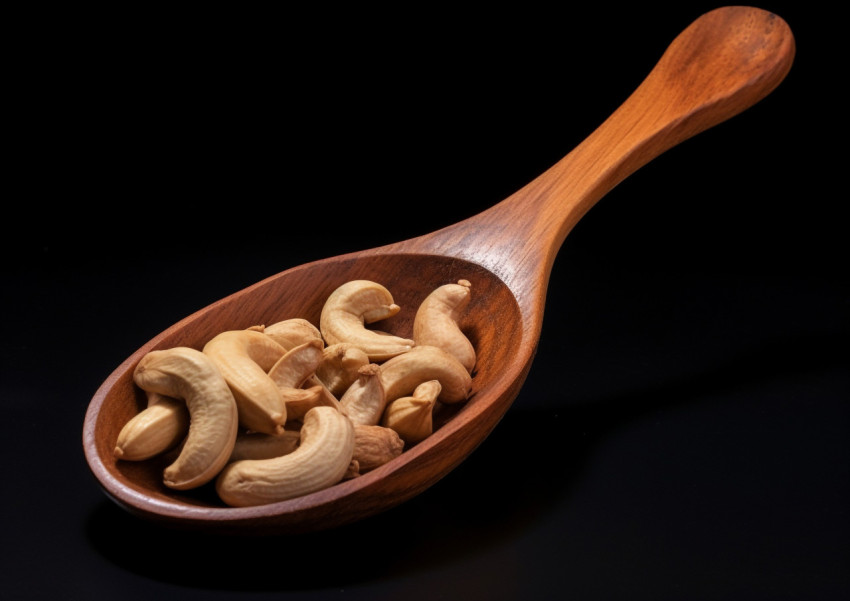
x=683, y=431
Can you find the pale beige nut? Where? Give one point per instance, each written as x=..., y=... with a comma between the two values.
x=365, y=399
x=437, y=322
x=402, y=374
x=295, y=375
x=256, y=445
x=245, y=357
x=300, y=400
x=188, y=374
x=412, y=417
x=350, y=308
x=290, y=333
x=157, y=428
x=339, y=365
x=328, y=398
x=321, y=460
x=374, y=446
x=298, y=363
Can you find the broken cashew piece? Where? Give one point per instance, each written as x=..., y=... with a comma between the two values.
x=297, y=364
x=353, y=305
x=437, y=322
x=402, y=374
x=412, y=417
x=290, y=333
x=339, y=365
x=244, y=357
x=294, y=375
x=321, y=460
x=374, y=446
x=256, y=445
x=365, y=399
x=300, y=400
x=188, y=374
x=155, y=429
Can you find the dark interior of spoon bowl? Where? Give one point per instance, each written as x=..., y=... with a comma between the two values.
x=492, y=322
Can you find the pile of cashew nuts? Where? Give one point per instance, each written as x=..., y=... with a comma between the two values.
x=270, y=413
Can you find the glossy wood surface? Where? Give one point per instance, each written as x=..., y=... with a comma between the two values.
x=725, y=62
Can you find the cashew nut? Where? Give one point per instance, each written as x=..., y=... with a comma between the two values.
x=300, y=400
x=353, y=470
x=402, y=374
x=290, y=333
x=245, y=357
x=412, y=417
x=155, y=429
x=339, y=365
x=321, y=460
x=353, y=305
x=437, y=322
x=188, y=374
x=374, y=446
x=256, y=445
x=297, y=364
x=294, y=374
x=365, y=399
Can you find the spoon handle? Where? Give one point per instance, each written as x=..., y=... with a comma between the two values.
x=724, y=62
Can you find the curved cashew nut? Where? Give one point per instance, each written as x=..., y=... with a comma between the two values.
x=155, y=429
x=353, y=305
x=374, y=446
x=436, y=322
x=402, y=374
x=256, y=445
x=290, y=333
x=412, y=417
x=321, y=460
x=365, y=399
x=244, y=357
x=188, y=374
x=339, y=365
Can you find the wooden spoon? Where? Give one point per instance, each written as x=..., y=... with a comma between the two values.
x=724, y=62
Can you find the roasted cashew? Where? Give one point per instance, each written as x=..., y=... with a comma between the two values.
x=321, y=460
x=155, y=429
x=374, y=446
x=353, y=305
x=402, y=374
x=290, y=333
x=256, y=445
x=437, y=322
x=339, y=365
x=297, y=364
x=300, y=400
x=244, y=357
x=365, y=399
x=188, y=374
x=412, y=417
x=294, y=374
x=353, y=470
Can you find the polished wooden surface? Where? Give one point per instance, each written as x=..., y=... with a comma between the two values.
x=725, y=62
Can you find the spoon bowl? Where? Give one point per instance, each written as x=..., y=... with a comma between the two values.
x=724, y=62
x=138, y=486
